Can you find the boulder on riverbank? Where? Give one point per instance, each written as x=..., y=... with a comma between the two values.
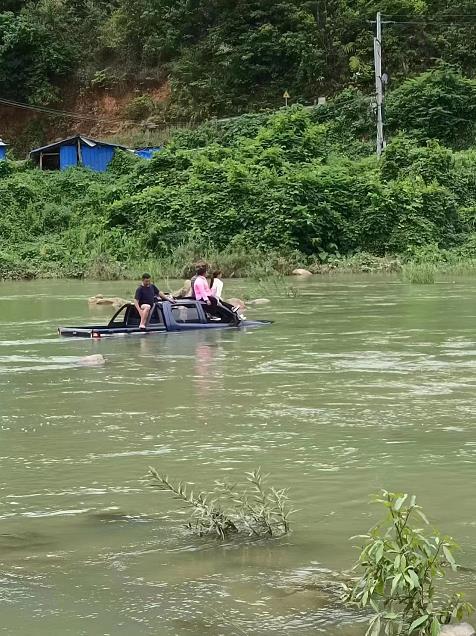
x=301, y=272
x=185, y=291
x=463, y=629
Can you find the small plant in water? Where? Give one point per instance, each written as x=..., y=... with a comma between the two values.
x=207, y=516
x=419, y=273
x=257, y=510
x=401, y=564
x=262, y=510
x=273, y=284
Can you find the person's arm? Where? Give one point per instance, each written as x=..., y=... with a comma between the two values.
x=207, y=291
x=158, y=294
x=136, y=299
x=163, y=296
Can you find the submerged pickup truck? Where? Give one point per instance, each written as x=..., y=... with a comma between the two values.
x=183, y=315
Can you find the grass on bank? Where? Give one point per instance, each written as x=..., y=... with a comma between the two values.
x=425, y=265
x=274, y=267
x=419, y=268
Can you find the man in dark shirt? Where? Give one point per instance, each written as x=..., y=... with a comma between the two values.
x=147, y=294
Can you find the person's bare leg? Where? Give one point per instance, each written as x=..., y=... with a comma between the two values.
x=144, y=314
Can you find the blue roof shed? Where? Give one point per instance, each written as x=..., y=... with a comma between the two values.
x=75, y=151
x=147, y=153
x=3, y=150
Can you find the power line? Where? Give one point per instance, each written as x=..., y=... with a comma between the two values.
x=63, y=113
x=446, y=15
x=331, y=106
x=80, y=116
x=427, y=22
x=443, y=21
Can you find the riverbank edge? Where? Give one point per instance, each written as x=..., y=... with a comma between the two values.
x=247, y=265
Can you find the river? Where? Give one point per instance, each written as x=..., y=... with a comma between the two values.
x=360, y=383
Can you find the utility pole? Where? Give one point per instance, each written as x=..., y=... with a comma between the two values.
x=379, y=84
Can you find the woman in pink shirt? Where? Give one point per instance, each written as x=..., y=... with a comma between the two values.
x=201, y=288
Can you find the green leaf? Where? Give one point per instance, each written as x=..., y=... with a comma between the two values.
x=412, y=574
x=409, y=581
x=435, y=626
x=419, y=621
x=449, y=557
x=376, y=628
x=400, y=501
x=395, y=582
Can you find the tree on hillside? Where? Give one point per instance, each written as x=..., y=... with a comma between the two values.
x=439, y=104
x=221, y=57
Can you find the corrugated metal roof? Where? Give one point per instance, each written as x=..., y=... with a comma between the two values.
x=147, y=153
x=86, y=140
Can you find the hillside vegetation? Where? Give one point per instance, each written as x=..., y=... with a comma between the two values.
x=260, y=193
x=219, y=57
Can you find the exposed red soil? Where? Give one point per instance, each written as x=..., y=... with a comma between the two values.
x=105, y=107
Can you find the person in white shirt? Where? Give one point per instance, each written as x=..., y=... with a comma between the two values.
x=216, y=284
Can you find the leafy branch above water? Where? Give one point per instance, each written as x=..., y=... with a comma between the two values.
x=256, y=510
x=401, y=565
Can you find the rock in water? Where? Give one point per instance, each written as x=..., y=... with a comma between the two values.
x=119, y=302
x=99, y=299
x=236, y=302
x=105, y=301
x=301, y=272
x=95, y=360
x=463, y=629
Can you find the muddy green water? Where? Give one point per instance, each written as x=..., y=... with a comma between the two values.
x=359, y=384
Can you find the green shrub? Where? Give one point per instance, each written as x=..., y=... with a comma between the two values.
x=401, y=564
x=140, y=108
x=439, y=104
